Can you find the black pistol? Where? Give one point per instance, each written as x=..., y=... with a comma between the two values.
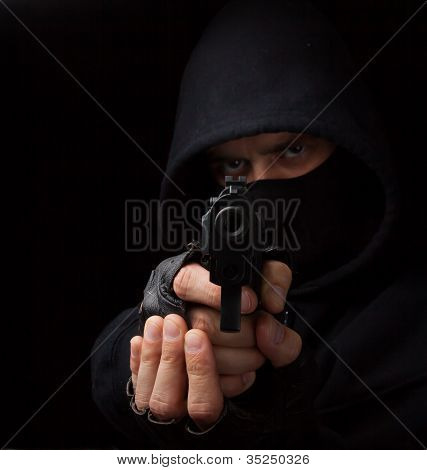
x=231, y=247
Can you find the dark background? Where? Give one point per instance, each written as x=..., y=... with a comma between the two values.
x=67, y=170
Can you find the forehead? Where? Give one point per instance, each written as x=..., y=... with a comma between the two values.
x=259, y=142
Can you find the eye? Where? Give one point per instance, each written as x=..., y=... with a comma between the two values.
x=230, y=167
x=233, y=165
x=293, y=151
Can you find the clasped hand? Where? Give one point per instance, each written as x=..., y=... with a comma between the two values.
x=178, y=371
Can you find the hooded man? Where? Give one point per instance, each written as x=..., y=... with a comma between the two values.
x=265, y=96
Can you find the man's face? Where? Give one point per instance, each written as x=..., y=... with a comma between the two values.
x=256, y=157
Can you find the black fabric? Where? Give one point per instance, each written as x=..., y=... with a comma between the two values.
x=159, y=297
x=267, y=66
x=333, y=218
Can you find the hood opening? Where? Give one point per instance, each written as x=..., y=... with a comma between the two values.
x=271, y=66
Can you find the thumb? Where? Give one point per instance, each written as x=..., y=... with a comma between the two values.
x=278, y=343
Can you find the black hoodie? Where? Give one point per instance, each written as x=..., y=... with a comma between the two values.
x=268, y=66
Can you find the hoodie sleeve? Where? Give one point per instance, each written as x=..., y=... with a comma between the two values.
x=285, y=420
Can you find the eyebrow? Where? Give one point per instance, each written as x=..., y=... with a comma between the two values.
x=273, y=149
x=276, y=148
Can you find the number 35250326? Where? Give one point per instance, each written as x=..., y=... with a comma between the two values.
x=277, y=459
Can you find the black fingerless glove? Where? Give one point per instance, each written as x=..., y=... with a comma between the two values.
x=159, y=296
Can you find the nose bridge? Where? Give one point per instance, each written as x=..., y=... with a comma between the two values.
x=262, y=167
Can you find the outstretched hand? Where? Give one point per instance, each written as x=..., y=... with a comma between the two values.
x=178, y=372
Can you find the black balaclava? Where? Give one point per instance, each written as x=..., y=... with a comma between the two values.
x=279, y=65
x=327, y=217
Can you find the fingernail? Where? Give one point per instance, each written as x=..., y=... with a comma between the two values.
x=193, y=342
x=248, y=378
x=152, y=332
x=278, y=334
x=246, y=301
x=171, y=330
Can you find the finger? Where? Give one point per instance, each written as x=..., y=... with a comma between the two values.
x=232, y=361
x=135, y=357
x=276, y=279
x=192, y=285
x=277, y=342
x=208, y=320
x=205, y=400
x=151, y=351
x=168, y=399
x=234, y=385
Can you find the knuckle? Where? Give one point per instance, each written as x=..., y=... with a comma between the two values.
x=134, y=367
x=273, y=303
x=182, y=282
x=141, y=400
x=171, y=355
x=134, y=381
x=213, y=295
x=148, y=365
x=162, y=407
x=149, y=356
x=200, y=321
x=204, y=412
x=197, y=366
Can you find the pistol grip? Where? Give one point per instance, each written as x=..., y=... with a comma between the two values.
x=230, y=308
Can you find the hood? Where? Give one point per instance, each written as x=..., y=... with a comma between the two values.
x=270, y=66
